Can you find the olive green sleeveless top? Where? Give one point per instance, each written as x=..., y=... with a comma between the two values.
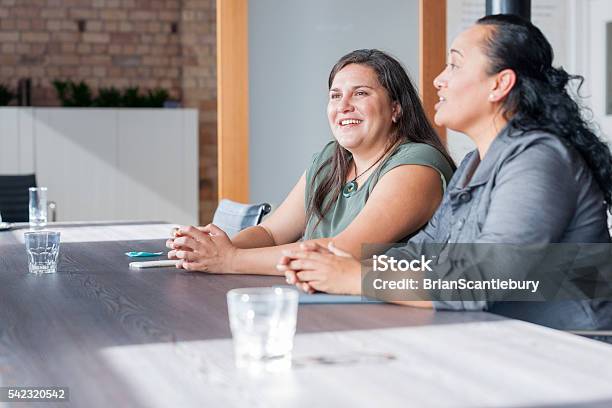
x=344, y=210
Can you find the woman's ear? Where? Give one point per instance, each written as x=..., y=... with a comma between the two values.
x=504, y=82
x=396, y=112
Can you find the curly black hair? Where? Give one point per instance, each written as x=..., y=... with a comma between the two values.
x=540, y=99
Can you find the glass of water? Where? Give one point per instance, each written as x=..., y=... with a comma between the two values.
x=263, y=321
x=38, y=207
x=43, y=250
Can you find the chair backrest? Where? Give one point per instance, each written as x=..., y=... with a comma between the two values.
x=233, y=217
x=14, y=197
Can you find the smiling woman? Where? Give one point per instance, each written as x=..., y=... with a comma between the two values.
x=379, y=180
x=379, y=125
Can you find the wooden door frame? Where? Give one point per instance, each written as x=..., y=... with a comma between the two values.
x=233, y=85
x=233, y=99
x=432, y=54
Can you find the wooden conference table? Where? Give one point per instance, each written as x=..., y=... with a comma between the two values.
x=160, y=338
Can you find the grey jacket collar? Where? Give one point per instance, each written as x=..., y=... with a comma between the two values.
x=487, y=167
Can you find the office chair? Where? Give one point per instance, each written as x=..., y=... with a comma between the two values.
x=14, y=198
x=233, y=217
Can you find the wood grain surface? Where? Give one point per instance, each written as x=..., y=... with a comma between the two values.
x=160, y=337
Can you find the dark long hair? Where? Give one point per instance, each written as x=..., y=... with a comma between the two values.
x=540, y=100
x=412, y=125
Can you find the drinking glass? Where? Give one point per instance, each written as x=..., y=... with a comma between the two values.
x=42, y=248
x=38, y=207
x=263, y=321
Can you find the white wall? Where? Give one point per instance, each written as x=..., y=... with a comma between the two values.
x=293, y=45
x=107, y=164
x=590, y=56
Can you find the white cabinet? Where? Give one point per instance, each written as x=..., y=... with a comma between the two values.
x=107, y=164
x=16, y=141
x=160, y=166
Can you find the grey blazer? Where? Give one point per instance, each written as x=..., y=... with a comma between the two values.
x=530, y=188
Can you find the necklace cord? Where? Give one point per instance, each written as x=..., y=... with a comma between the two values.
x=366, y=170
x=351, y=187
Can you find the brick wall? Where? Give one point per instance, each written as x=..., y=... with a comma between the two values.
x=120, y=43
x=199, y=86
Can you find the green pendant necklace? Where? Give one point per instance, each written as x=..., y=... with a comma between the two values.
x=351, y=187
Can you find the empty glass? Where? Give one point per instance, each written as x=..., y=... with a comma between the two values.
x=38, y=207
x=43, y=249
x=263, y=326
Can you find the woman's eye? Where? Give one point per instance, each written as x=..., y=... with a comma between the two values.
x=452, y=66
x=335, y=96
x=360, y=93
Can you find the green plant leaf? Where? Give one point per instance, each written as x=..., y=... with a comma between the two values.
x=157, y=97
x=73, y=94
x=108, y=98
x=81, y=94
x=60, y=89
x=132, y=99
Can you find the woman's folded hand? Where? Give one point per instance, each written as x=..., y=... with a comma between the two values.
x=202, y=249
x=315, y=268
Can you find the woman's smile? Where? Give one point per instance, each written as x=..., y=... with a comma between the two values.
x=349, y=123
